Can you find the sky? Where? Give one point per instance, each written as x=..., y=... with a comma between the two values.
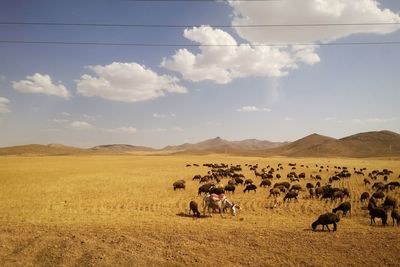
x=87, y=95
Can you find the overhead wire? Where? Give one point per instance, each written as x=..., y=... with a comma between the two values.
x=195, y=45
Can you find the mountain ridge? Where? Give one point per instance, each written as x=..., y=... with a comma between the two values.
x=366, y=144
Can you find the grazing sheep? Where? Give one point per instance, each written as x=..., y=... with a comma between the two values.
x=239, y=180
x=290, y=195
x=179, y=185
x=364, y=196
x=378, y=213
x=230, y=188
x=338, y=194
x=248, y=181
x=265, y=183
x=378, y=194
x=395, y=216
x=205, y=188
x=274, y=192
x=345, y=207
x=366, y=182
x=216, y=190
x=309, y=185
x=390, y=202
x=311, y=191
x=193, y=207
x=325, y=219
x=296, y=187
x=250, y=187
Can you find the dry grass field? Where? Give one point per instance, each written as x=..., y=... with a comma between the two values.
x=122, y=211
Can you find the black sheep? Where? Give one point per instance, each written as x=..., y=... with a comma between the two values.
x=325, y=219
x=265, y=183
x=378, y=213
x=216, y=190
x=179, y=185
x=345, y=207
x=205, y=188
x=290, y=195
x=230, y=188
x=364, y=196
x=250, y=187
x=193, y=207
x=390, y=202
x=395, y=216
x=378, y=194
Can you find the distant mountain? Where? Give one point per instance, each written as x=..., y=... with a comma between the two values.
x=369, y=144
x=301, y=146
x=219, y=145
x=121, y=148
x=41, y=150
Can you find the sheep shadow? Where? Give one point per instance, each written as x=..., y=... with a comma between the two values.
x=186, y=215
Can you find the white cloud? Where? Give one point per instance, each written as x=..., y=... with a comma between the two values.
x=330, y=119
x=309, y=12
x=160, y=130
x=66, y=114
x=41, y=84
x=127, y=82
x=373, y=120
x=222, y=64
x=253, y=109
x=60, y=121
x=81, y=125
x=177, y=129
x=122, y=130
x=288, y=118
x=161, y=116
x=4, y=105
x=3, y=78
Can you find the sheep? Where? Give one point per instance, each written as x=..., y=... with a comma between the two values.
x=378, y=194
x=338, y=194
x=179, y=185
x=290, y=195
x=311, y=191
x=230, y=188
x=364, y=196
x=265, y=183
x=250, y=187
x=193, y=207
x=205, y=188
x=296, y=187
x=378, y=213
x=345, y=207
x=390, y=202
x=325, y=219
x=395, y=216
x=274, y=192
x=248, y=181
x=366, y=182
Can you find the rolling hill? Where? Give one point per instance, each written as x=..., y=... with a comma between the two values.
x=368, y=144
x=41, y=150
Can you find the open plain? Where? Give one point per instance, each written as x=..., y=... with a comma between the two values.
x=110, y=210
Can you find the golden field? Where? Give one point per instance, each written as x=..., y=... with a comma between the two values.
x=121, y=210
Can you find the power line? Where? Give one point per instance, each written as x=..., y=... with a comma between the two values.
x=192, y=25
x=206, y=0
x=192, y=45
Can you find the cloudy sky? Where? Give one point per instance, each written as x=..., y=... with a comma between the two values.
x=215, y=81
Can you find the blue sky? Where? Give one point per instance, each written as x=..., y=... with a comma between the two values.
x=244, y=92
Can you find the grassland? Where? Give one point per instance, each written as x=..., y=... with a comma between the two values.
x=122, y=210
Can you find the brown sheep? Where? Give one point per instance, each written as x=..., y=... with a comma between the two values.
x=194, y=207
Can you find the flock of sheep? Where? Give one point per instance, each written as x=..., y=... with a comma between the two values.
x=211, y=185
